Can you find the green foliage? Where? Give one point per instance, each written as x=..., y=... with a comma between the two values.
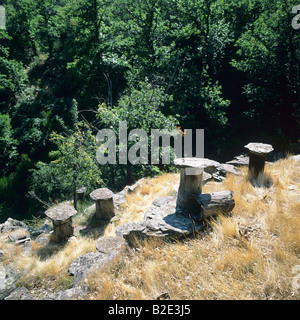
x=8, y=145
x=268, y=53
x=12, y=76
x=74, y=166
x=229, y=67
x=141, y=109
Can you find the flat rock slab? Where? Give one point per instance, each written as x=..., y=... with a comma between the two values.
x=19, y=294
x=161, y=201
x=161, y=222
x=296, y=157
x=102, y=194
x=239, y=161
x=259, y=148
x=197, y=163
x=109, y=245
x=85, y=261
x=61, y=213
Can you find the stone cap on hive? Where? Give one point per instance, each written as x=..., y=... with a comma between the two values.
x=259, y=148
x=61, y=213
x=101, y=194
x=197, y=163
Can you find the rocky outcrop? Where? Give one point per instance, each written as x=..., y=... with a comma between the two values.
x=160, y=221
x=8, y=279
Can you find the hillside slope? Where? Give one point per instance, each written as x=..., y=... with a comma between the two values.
x=250, y=254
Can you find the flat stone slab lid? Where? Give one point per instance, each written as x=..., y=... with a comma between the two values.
x=61, y=213
x=198, y=163
x=101, y=194
x=259, y=148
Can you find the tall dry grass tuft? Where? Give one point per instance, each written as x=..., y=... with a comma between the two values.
x=248, y=254
x=51, y=263
x=142, y=198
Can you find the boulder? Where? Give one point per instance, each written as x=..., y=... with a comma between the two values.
x=161, y=201
x=110, y=245
x=8, y=279
x=160, y=222
x=19, y=294
x=296, y=157
x=69, y=294
x=239, y=161
x=86, y=263
x=12, y=224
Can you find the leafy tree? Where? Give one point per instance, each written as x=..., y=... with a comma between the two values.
x=8, y=145
x=268, y=54
x=141, y=109
x=74, y=166
x=12, y=75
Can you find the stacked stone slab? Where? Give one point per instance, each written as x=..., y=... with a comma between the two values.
x=257, y=158
x=61, y=217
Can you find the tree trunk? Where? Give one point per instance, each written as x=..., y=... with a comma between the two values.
x=63, y=230
x=256, y=165
x=105, y=209
x=190, y=186
x=206, y=205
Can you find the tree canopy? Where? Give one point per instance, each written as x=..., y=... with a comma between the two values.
x=229, y=67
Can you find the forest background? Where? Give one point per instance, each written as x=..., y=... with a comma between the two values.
x=69, y=68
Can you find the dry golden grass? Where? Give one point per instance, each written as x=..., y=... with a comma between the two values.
x=249, y=254
x=142, y=198
x=47, y=266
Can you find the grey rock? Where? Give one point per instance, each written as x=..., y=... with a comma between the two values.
x=90, y=210
x=8, y=278
x=11, y=225
x=161, y=222
x=296, y=157
x=259, y=148
x=125, y=228
x=27, y=249
x=206, y=178
x=69, y=294
x=43, y=239
x=119, y=198
x=61, y=212
x=86, y=263
x=162, y=201
x=239, y=161
x=16, y=236
x=109, y=245
x=19, y=294
x=225, y=168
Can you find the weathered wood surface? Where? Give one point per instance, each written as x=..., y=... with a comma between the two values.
x=190, y=185
x=257, y=158
x=61, y=217
x=213, y=203
x=191, y=179
x=63, y=230
x=256, y=165
x=105, y=209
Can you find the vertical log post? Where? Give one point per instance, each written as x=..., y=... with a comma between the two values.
x=257, y=157
x=105, y=209
x=80, y=193
x=61, y=217
x=191, y=180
